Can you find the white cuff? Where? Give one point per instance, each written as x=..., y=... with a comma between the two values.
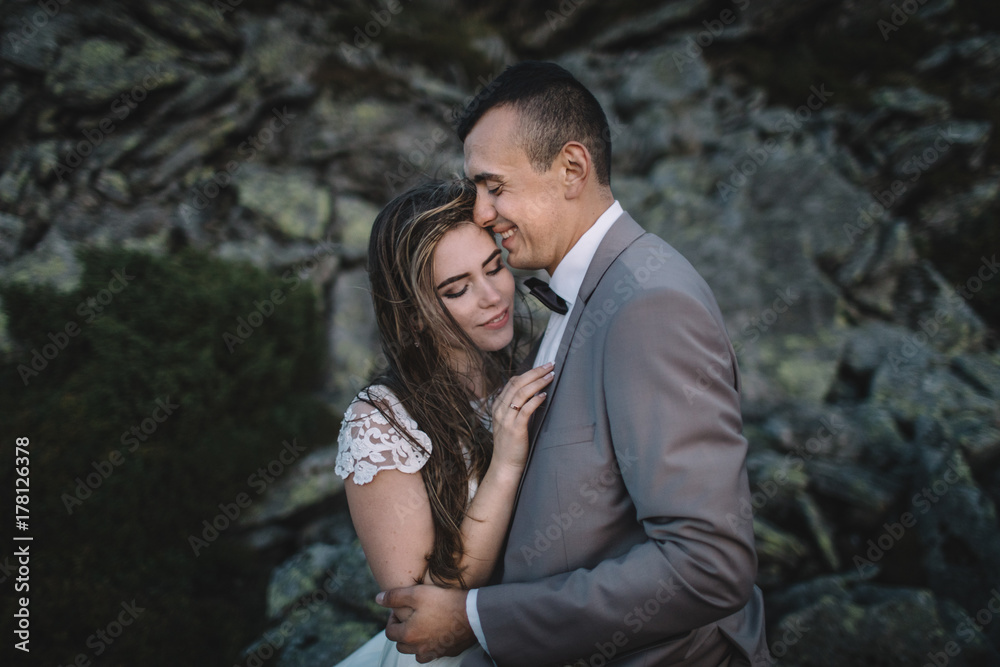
x=473, y=613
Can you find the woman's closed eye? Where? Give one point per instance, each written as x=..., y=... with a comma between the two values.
x=455, y=295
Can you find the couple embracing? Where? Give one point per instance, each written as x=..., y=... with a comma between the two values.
x=577, y=513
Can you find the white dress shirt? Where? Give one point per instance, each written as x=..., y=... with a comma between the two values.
x=566, y=282
x=568, y=278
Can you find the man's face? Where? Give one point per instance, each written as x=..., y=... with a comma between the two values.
x=522, y=206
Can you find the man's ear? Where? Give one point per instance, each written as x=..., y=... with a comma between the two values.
x=577, y=168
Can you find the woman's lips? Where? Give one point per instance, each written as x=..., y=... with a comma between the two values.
x=499, y=321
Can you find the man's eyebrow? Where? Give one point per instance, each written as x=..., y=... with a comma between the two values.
x=448, y=281
x=485, y=176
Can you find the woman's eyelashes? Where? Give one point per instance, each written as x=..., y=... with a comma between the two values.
x=492, y=272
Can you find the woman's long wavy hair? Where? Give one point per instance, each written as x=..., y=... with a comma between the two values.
x=417, y=336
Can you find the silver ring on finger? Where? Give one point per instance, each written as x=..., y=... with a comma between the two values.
x=515, y=407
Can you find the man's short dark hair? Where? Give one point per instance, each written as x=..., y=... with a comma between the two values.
x=553, y=107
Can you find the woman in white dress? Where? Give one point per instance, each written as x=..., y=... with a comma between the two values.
x=429, y=487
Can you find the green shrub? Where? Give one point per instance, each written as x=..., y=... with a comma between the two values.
x=225, y=408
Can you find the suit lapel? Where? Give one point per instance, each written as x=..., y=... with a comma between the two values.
x=622, y=233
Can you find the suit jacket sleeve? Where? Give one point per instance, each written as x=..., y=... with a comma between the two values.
x=670, y=385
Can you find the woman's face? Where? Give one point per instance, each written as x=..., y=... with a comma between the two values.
x=475, y=286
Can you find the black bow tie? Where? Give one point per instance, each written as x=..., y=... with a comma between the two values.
x=541, y=291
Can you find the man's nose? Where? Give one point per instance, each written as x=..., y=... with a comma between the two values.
x=483, y=213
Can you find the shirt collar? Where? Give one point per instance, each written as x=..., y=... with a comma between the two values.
x=569, y=275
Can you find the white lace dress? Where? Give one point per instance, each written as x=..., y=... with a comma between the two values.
x=367, y=444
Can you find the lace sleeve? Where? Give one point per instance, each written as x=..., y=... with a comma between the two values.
x=368, y=443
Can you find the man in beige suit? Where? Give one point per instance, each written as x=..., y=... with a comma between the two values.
x=626, y=546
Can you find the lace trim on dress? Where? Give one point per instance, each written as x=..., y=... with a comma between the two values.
x=368, y=442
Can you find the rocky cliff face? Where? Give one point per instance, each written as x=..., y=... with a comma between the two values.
x=831, y=169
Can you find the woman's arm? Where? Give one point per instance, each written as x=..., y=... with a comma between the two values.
x=485, y=523
x=392, y=513
x=392, y=517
